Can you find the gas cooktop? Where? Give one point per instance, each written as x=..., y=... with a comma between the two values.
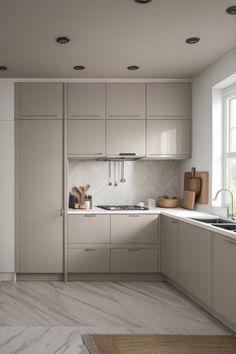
x=122, y=207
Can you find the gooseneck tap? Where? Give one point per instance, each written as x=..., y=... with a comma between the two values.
x=232, y=200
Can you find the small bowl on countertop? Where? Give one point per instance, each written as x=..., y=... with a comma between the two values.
x=167, y=202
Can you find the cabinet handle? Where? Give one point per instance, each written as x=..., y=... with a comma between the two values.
x=90, y=215
x=39, y=115
x=124, y=115
x=233, y=242
x=62, y=212
x=85, y=115
x=90, y=249
x=134, y=215
x=174, y=221
x=133, y=249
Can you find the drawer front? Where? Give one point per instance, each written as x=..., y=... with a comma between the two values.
x=89, y=229
x=134, y=260
x=88, y=260
x=134, y=229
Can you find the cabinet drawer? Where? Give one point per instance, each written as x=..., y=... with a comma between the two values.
x=134, y=229
x=86, y=137
x=88, y=260
x=134, y=260
x=89, y=229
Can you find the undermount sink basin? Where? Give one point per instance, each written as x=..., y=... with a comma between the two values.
x=231, y=226
x=214, y=221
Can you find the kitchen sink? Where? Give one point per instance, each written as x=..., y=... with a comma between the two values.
x=231, y=226
x=214, y=221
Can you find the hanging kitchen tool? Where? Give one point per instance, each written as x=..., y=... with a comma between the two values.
x=194, y=183
x=122, y=179
x=115, y=174
x=109, y=177
x=86, y=188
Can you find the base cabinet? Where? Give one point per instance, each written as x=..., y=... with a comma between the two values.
x=169, y=247
x=88, y=260
x=195, y=261
x=224, y=278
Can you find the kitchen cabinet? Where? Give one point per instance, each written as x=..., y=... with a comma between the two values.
x=41, y=100
x=169, y=247
x=224, y=293
x=126, y=101
x=86, y=100
x=168, y=138
x=88, y=260
x=89, y=228
x=134, y=228
x=41, y=196
x=194, y=260
x=125, y=136
x=134, y=260
x=170, y=100
x=86, y=138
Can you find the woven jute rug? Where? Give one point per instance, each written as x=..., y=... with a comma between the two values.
x=159, y=344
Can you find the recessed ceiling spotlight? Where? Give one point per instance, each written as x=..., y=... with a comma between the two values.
x=79, y=67
x=63, y=40
x=231, y=10
x=3, y=68
x=133, y=67
x=192, y=40
x=142, y=1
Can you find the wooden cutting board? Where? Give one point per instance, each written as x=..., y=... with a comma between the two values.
x=189, y=199
x=195, y=183
x=202, y=198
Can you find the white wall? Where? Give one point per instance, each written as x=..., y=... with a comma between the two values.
x=202, y=117
x=6, y=179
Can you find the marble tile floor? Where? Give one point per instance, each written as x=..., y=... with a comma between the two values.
x=50, y=317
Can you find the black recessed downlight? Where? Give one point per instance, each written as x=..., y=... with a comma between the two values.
x=231, y=10
x=192, y=40
x=133, y=67
x=142, y=1
x=3, y=68
x=63, y=40
x=79, y=67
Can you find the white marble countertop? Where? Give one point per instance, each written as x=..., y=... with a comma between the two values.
x=176, y=213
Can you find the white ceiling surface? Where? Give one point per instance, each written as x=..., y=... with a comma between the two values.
x=108, y=35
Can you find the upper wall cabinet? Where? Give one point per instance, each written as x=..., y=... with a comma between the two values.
x=126, y=100
x=169, y=100
x=86, y=101
x=40, y=100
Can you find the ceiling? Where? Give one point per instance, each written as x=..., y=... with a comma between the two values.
x=108, y=35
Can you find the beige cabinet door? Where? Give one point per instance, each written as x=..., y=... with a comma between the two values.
x=168, y=138
x=86, y=137
x=224, y=277
x=134, y=229
x=88, y=260
x=126, y=100
x=89, y=228
x=41, y=198
x=86, y=100
x=169, y=100
x=169, y=247
x=41, y=100
x=125, y=136
x=195, y=260
x=134, y=260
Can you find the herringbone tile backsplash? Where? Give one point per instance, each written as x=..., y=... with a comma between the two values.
x=144, y=179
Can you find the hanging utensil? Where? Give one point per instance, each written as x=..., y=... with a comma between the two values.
x=115, y=179
x=122, y=179
x=109, y=178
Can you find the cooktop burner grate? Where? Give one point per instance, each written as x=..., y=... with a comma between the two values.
x=122, y=207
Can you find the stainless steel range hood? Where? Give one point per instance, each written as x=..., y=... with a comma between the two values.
x=121, y=157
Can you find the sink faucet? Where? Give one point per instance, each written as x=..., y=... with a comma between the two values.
x=231, y=215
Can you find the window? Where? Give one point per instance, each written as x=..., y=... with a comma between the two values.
x=229, y=151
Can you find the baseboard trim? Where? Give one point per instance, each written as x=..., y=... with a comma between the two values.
x=92, y=277
x=7, y=277
x=207, y=308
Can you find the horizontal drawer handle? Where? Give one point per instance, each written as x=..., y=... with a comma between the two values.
x=90, y=215
x=134, y=215
x=124, y=115
x=174, y=221
x=90, y=249
x=85, y=115
x=133, y=249
x=233, y=242
x=39, y=115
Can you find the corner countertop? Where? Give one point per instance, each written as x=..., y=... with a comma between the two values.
x=176, y=213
